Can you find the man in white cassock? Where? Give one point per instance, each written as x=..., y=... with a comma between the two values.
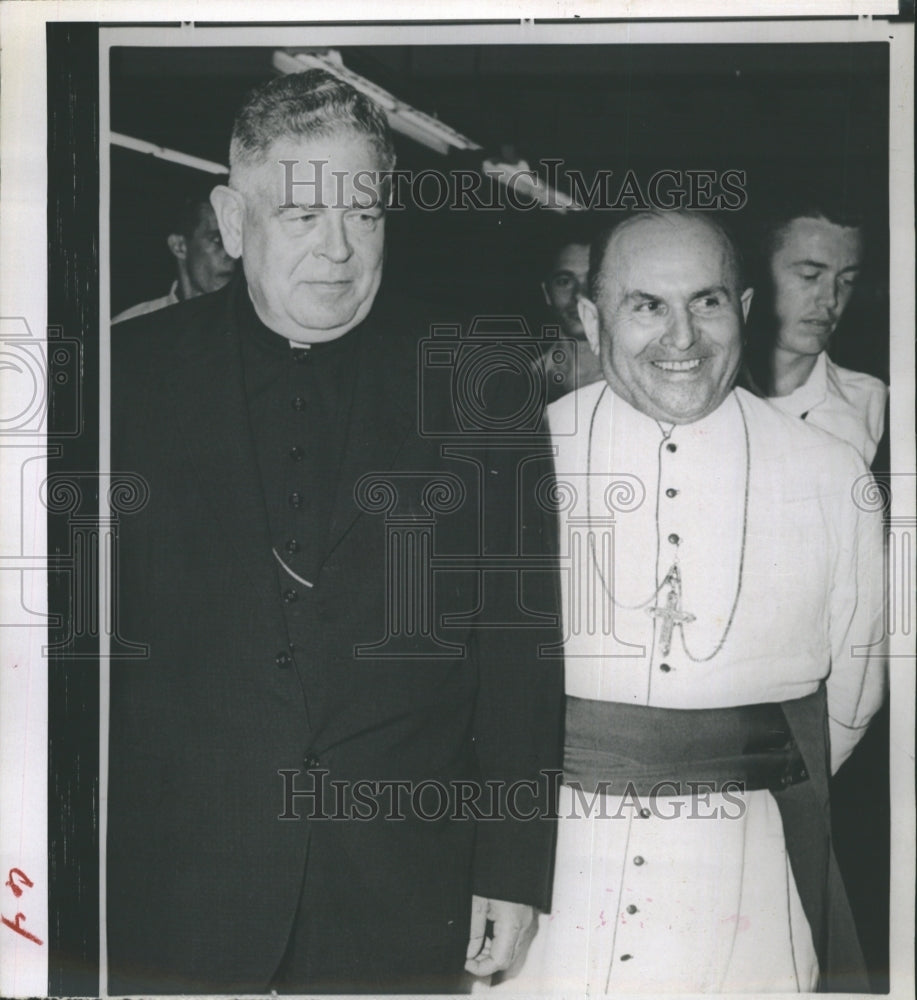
x=723, y=641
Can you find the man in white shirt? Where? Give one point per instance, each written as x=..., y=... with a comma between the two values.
x=722, y=611
x=813, y=257
x=202, y=264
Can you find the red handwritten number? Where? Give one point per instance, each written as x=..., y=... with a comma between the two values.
x=14, y=925
x=21, y=875
x=18, y=875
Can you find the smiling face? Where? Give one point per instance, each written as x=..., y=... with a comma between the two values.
x=814, y=270
x=313, y=268
x=565, y=283
x=668, y=320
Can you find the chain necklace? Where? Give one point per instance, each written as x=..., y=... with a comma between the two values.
x=671, y=613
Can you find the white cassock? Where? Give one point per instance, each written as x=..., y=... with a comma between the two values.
x=782, y=571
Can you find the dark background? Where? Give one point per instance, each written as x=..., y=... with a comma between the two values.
x=812, y=114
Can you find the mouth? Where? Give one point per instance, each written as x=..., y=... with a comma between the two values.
x=333, y=288
x=679, y=366
x=819, y=323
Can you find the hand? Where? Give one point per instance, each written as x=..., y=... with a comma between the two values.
x=511, y=923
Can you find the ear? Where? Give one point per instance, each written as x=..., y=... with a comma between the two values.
x=589, y=317
x=229, y=208
x=745, y=299
x=177, y=246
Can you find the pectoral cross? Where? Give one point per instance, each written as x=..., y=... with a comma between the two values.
x=671, y=613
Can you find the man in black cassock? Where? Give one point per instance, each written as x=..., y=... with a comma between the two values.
x=300, y=766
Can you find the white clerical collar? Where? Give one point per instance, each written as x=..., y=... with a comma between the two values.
x=628, y=420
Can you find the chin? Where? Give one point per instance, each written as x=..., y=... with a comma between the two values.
x=807, y=343
x=687, y=412
x=324, y=320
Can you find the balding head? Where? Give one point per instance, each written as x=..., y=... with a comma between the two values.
x=606, y=242
x=666, y=313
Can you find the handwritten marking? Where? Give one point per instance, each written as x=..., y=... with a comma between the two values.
x=14, y=925
x=21, y=875
x=17, y=875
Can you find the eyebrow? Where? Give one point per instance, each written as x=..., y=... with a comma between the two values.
x=301, y=206
x=712, y=290
x=821, y=265
x=638, y=295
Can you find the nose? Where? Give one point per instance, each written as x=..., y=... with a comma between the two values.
x=826, y=295
x=333, y=242
x=680, y=332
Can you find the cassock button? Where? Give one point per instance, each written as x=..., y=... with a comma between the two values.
x=674, y=539
x=296, y=453
x=664, y=667
x=626, y=958
x=631, y=909
x=671, y=446
x=292, y=546
x=298, y=403
x=645, y=813
x=300, y=355
x=296, y=500
x=290, y=595
x=671, y=493
x=639, y=860
x=283, y=660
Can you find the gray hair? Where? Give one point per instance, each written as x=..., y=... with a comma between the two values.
x=303, y=105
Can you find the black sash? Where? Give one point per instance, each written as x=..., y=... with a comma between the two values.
x=618, y=748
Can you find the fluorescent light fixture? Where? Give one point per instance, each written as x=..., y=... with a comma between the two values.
x=521, y=178
x=417, y=125
x=162, y=153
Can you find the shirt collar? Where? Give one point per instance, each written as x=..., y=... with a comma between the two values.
x=810, y=393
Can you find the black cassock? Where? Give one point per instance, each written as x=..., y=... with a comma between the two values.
x=269, y=573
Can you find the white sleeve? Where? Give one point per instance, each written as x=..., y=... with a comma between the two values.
x=875, y=416
x=856, y=684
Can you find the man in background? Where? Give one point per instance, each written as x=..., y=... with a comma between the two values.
x=811, y=258
x=566, y=279
x=201, y=262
